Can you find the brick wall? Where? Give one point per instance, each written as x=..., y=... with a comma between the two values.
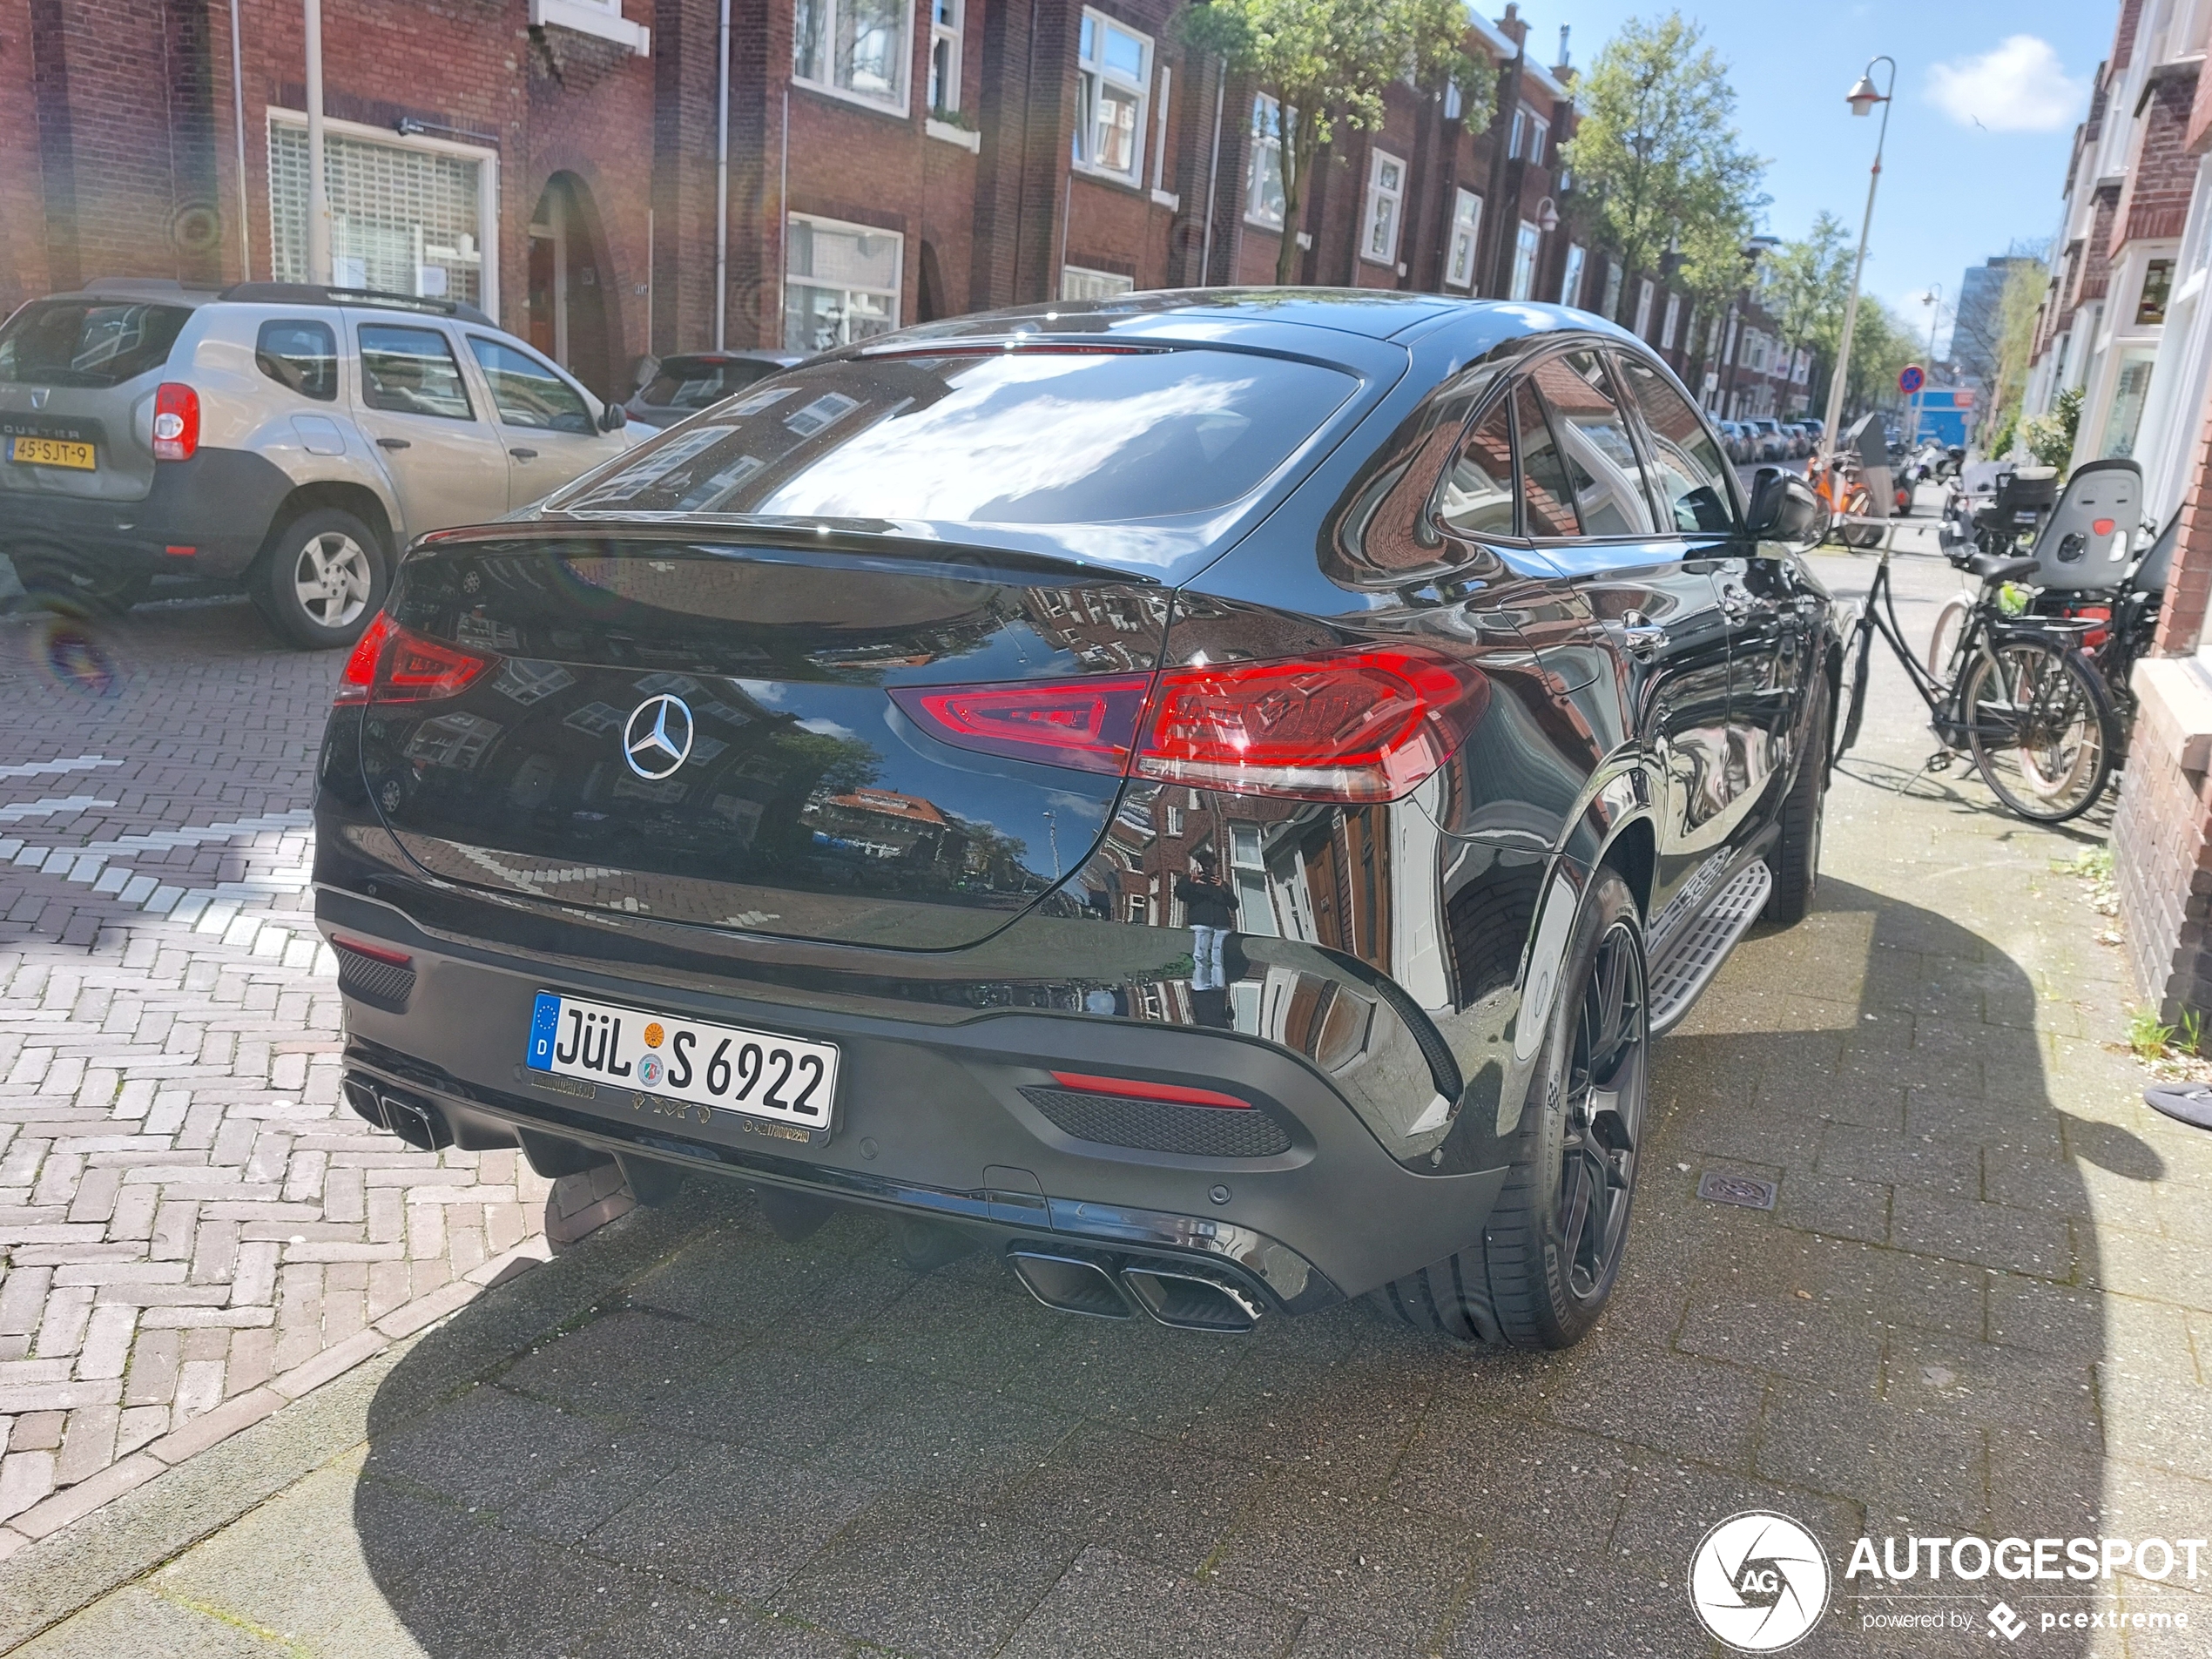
x=2161, y=174
x=2162, y=864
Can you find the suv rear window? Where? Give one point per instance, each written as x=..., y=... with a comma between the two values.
x=1030, y=437
x=687, y=383
x=88, y=343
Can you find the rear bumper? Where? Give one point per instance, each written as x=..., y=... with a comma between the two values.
x=931, y=1119
x=220, y=503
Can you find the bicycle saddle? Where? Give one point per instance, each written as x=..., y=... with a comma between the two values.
x=1991, y=568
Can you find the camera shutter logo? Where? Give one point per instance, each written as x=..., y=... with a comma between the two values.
x=1758, y=1581
x=658, y=737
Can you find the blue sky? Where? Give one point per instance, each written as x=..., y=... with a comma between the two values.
x=1952, y=193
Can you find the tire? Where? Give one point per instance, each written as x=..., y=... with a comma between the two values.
x=1943, y=644
x=2044, y=735
x=1551, y=1251
x=326, y=614
x=1796, y=859
x=1851, y=694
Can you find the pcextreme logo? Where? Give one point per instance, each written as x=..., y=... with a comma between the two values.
x=1758, y=1581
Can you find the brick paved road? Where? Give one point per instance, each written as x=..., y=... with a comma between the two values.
x=189, y=1216
x=1981, y=1304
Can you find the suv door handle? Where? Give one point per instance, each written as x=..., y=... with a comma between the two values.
x=1643, y=637
x=394, y=443
x=523, y=455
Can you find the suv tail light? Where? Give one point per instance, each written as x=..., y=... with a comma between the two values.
x=1361, y=723
x=394, y=664
x=176, y=422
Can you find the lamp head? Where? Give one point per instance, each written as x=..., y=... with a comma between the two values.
x=1863, y=97
x=1547, y=217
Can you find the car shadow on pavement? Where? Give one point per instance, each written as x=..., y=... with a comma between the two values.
x=686, y=1436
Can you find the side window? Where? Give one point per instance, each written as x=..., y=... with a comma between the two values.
x=411, y=371
x=1689, y=476
x=1477, y=494
x=1592, y=430
x=301, y=355
x=1547, y=509
x=524, y=392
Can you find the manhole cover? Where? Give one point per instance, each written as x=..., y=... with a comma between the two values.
x=1737, y=1188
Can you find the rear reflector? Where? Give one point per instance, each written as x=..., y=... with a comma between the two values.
x=378, y=952
x=1359, y=723
x=1138, y=1088
x=394, y=664
x=176, y=422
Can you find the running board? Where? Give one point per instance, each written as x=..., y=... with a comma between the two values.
x=1694, y=955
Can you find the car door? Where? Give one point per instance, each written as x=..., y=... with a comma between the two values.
x=1768, y=608
x=548, y=424
x=440, y=451
x=1654, y=590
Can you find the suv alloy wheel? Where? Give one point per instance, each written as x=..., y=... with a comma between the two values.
x=323, y=577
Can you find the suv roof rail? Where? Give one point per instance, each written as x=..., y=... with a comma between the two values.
x=140, y=285
x=317, y=293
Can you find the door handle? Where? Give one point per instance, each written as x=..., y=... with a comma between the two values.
x=394, y=443
x=1643, y=638
x=523, y=455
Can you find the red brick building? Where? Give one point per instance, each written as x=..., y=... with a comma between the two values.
x=560, y=162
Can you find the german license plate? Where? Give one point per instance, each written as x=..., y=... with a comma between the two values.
x=51, y=452
x=718, y=1067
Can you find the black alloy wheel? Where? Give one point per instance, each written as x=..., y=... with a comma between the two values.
x=1603, y=1117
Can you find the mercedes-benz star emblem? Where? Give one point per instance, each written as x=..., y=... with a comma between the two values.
x=657, y=739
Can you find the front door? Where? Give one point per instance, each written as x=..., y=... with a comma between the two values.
x=543, y=419
x=442, y=454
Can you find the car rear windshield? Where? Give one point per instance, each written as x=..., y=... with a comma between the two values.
x=686, y=383
x=87, y=342
x=1038, y=436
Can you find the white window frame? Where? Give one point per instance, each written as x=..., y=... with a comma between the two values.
x=1377, y=196
x=1257, y=211
x=896, y=293
x=602, y=18
x=1571, y=281
x=1611, y=307
x=1528, y=247
x=1540, y=138
x=948, y=34
x=1467, y=238
x=487, y=185
x=1090, y=74
x=1645, y=292
x=1107, y=283
x=1671, y=322
x=829, y=88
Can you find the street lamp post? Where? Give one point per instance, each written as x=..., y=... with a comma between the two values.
x=1862, y=98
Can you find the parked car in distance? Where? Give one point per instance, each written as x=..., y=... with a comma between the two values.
x=1734, y=441
x=1768, y=440
x=1800, y=443
x=287, y=438
x=1815, y=429
x=684, y=384
x=934, y=784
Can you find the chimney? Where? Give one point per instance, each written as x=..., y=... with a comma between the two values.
x=1512, y=25
x=1563, y=32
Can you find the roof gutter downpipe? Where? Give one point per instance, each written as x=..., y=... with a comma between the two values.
x=318, y=188
x=721, y=188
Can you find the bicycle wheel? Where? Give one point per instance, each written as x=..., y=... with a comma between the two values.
x=1851, y=692
x=2041, y=729
x=1943, y=644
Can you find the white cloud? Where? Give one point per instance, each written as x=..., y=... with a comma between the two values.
x=2020, y=86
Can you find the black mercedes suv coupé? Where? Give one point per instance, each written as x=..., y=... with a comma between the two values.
x=1213, y=792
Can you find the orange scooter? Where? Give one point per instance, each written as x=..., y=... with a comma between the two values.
x=1843, y=487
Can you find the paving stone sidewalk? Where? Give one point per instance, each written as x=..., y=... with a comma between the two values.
x=1981, y=1304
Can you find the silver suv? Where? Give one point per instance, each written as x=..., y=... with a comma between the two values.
x=292, y=439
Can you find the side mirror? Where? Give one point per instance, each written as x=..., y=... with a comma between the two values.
x=1784, y=509
x=613, y=417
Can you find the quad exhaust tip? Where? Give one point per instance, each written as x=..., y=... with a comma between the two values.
x=1081, y=1284
x=417, y=1122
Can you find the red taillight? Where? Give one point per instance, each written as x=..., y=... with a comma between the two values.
x=1089, y=723
x=176, y=422
x=1361, y=723
x=361, y=667
x=394, y=664
x=375, y=953
x=1137, y=1089
x=1364, y=723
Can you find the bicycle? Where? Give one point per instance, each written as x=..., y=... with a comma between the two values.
x=1843, y=487
x=2017, y=693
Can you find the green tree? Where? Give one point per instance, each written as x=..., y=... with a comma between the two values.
x=1881, y=346
x=1326, y=62
x=2018, y=308
x=1656, y=159
x=1805, y=284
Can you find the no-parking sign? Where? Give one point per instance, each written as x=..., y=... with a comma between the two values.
x=1911, y=379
